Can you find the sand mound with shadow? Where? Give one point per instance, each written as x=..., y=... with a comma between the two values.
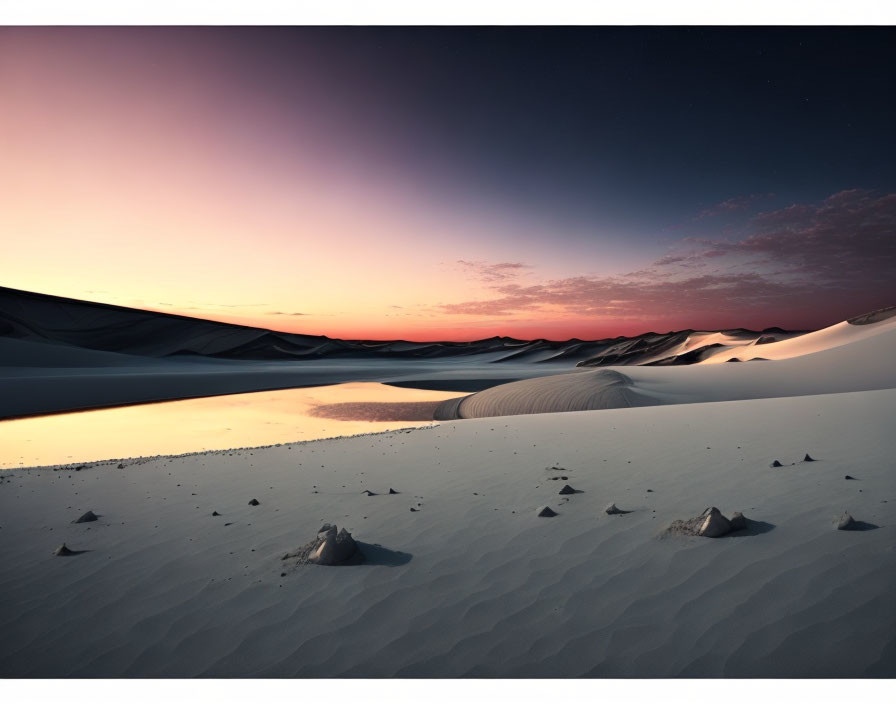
x=575, y=391
x=331, y=547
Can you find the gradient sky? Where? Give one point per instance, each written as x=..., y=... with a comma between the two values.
x=454, y=183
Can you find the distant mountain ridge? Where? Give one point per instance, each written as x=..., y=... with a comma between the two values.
x=44, y=318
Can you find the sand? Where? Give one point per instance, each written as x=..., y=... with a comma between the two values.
x=461, y=577
x=59, y=354
x=841, y=358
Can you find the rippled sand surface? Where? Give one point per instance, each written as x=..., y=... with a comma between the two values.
x=472, y=583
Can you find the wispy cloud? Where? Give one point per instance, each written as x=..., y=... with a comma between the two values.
x=837, y=253
x=733, y=205
x=493, y=272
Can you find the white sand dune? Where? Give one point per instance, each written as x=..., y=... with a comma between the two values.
x=473, y=583
x=828, y=338
x=841, y=358
x=59, y=354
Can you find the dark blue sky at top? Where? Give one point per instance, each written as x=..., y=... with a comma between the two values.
x=640, y=176
x=639, y=127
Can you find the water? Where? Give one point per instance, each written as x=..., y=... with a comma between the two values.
x=215, y=423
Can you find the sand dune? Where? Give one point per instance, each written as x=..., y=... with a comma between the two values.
x=828, y=338
x=841, y=358
x=679, y=348
x=59, y=354
x=471, y=582
x=576, y=391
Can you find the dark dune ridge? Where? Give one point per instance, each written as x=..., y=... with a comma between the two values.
x=875, y=316
x=55, y=320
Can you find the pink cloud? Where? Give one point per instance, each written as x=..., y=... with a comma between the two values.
x=826, y=261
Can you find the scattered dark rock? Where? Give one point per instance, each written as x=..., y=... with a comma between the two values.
x=254, y=502
x=120, y=465
x=567, y=489
x=776, y=464
x=369, y=492
x=807, y=458
x=650, y=491
x=413, y=510
x=215, y=513
x=88, y=517
x=612, y=510
x=546, y=512
x=392, y=491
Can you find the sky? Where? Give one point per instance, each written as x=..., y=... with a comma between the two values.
x=454, y=183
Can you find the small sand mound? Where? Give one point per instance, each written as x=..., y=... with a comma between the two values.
x=567, y=489
x=776, y=464
x=254, y=502
x=807, y=458
x=766, y=339
x=612, y=510
x=63, y=551
x=582, y=390
x=738, y=522
x=546, y=512
x=846, y=522
x=392, y=491
x=368, y=492
x=215, y=513
x=709, y=524
x=88, y=517
x=331, y=547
